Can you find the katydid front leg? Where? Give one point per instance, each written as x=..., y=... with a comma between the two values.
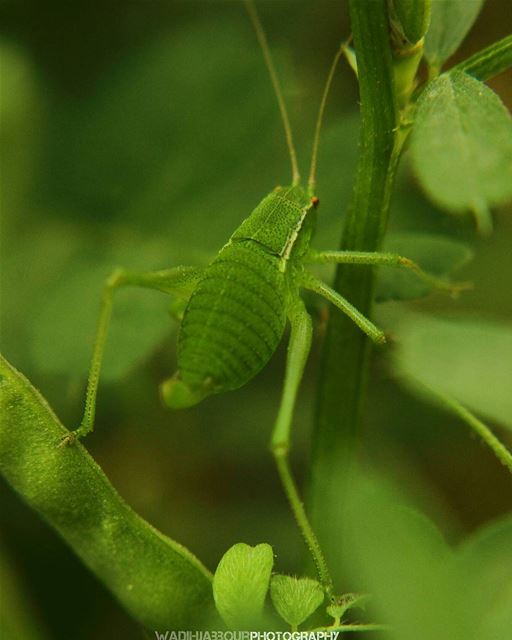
x=179, y=281
x=377, y=258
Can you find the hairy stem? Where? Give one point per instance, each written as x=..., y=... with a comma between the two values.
x=480, y=428
x=346, y=349
x=489, y=62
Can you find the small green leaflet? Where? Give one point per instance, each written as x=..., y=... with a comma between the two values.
x=441, y=353
x=241, y=583
x=295, y=599
x=461, y=146
x=449, y=23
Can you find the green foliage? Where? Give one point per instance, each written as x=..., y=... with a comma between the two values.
x=140, y=321
x=79, y=234
x=462, y=146
x=241, y=582
x=426, y=589
x=154, y=163
x=158, y=581
x=487, y=556
x=295, y=599
x=450, y=22
x=442, y=352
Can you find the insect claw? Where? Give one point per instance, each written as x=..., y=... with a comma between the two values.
x=381, y=339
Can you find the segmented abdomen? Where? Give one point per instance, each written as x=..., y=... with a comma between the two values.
x=234, y=320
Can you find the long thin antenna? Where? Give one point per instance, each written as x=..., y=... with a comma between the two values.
x=253, y=14
x=316, y=139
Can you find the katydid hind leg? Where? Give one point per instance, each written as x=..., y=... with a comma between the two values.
x=298, y=351
x=179, y=281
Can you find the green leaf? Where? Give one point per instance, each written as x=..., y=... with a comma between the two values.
x=400, y=557
x=487, y=556
x=240, y=584
x=295, y=599
x=468, y=360
x=461, y=146
x=437, y=255
x=159, y=582
x=450, y=21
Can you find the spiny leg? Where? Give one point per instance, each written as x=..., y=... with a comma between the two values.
x=312, y=283
x=384, y=259
x=298, y=351
x=179, y=281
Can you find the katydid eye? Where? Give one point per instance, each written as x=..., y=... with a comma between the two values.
x=315, y=201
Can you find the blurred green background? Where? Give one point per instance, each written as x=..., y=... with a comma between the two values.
x=141, y=134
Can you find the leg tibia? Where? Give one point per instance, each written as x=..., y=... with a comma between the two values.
x=179, y=281
x=298, y=351
x=313, y=284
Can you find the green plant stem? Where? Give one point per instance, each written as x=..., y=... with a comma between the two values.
x=481, y=429
x=345, y=355
x=489, y=62
x=354, y=627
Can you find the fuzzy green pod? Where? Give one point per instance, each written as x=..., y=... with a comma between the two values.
x=412, y=18
x=159, y=582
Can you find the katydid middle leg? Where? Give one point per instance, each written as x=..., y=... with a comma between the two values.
x=377, y=258
x=298, y=351
x=179, y=281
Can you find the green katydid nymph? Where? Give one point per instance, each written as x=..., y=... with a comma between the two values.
x=235, y=310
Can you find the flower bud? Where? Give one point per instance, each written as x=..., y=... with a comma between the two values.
x=411, y=18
